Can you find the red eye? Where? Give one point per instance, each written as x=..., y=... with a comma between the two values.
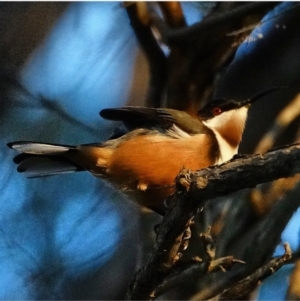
x=216, y=111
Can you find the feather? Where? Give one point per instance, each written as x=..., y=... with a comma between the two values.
x=161, y=119
x=38, y=148
x=139, y=117
x=41, y=166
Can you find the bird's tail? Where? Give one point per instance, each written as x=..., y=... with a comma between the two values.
x=41, y=159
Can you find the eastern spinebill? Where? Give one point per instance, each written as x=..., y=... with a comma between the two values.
x=144, y=162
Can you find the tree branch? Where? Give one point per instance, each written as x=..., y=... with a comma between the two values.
x=283, y=120
x=194, y=189
x=188, y=34
x=155, y=56
x=247, y=285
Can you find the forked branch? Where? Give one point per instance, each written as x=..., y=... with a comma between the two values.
x=194, y=189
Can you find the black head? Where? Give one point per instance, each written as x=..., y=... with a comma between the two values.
x=218, y=106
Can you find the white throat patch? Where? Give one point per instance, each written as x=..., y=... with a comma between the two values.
x=232, y=123
x=227, y=151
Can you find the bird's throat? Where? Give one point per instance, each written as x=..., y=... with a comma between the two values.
x=228, y=129
x=226, y=150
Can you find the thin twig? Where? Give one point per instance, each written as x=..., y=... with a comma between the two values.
x=265, y=196
x=293, y=292
x=285, y=118
x=247, y=285
x=235, y=287
x=197, y=270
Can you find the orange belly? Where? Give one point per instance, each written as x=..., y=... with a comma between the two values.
x=146, y=166
x=151, y=163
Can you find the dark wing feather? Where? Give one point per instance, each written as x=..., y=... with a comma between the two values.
x=159, y=118
x=139, y=117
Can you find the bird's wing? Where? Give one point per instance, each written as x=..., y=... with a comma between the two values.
x=158, y=118
x=139, y=117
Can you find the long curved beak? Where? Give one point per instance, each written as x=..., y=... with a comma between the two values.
x=260, y=95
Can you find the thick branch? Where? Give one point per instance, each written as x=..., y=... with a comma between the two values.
x=193, y=191
x=188, y=34
x=155, y=56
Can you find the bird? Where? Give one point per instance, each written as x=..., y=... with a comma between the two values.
x=143, y=160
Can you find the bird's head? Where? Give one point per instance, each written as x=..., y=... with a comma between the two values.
x=227, y=118
x=220, y=106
